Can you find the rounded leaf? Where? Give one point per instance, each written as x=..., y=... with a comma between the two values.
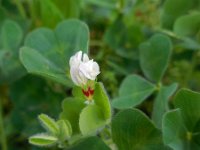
x=101, y=99
x=131, y=129
x=172, y=9
x=133, y=91
x=11, y=35
x=160, y=105
x=187, y=25
x=181, y=126
x=154, y=56
x=189, y=103
x=91, y=119
x=174, y=130
x=47, y=53
x=71, y=109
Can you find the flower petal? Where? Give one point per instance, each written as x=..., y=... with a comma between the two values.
x=85, y=57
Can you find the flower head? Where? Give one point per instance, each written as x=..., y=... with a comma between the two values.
x=82, y=69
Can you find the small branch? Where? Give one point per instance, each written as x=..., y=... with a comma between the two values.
x=169, y=33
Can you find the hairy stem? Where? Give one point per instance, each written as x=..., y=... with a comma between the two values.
x=2, y=130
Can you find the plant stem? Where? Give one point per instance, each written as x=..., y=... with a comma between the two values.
x=2, y=130
x=169, y=33
x=121, y=5
x=33, y=14
x=20, y=8
x=121, y=2
x=96, y=43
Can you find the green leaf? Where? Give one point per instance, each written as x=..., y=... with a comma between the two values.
x=189, y=43
x=65, y=130
x=77, y=92
x=154, y=56
x=90, y=143
x=11, y=35
x=189, y=104
x=103, y=3
x=101, y=99
x=49, y=10
x=174, y=9
x=49, y=124
x=121, y=39
x=43, y=140
x=187, y=25
x=174, y=130
x=94, y=117
x=47, y=53
x=160, y=105
x=43, y=66
x=71, y=109
x=9, y=65
x=133, y=91
x=28, y=103
x=57, y=10
x=69, y=8
x=196, y=137
x=181, y=127
x=2, y=15
x=131, y=129
x=91, y=119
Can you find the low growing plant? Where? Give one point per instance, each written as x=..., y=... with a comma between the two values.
x=86, y=120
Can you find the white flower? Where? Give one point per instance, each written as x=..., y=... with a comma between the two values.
x=90, y=69
x=82, y=69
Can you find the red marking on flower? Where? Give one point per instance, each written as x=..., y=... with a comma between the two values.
x=86, y=93
x=89, y=92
